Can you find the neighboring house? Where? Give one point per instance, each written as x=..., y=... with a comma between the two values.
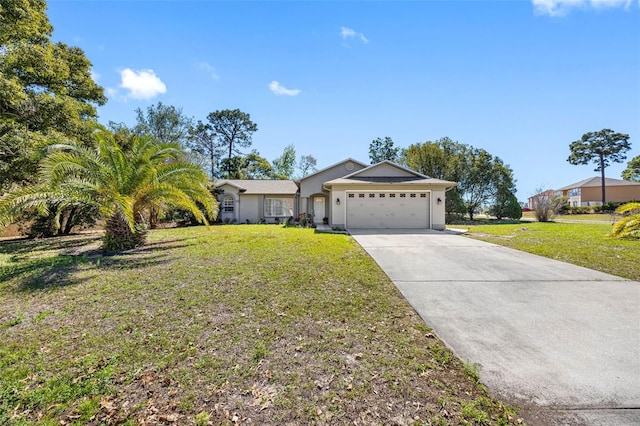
x=543, y=196
x=348, y=194
x=588, y=192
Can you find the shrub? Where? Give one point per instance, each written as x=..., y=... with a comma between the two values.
x=546, y=205
x=606, y=207
x=578, y=210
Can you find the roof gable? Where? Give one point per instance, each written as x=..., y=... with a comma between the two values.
x=386, y=169
x=387, y=172
x=343, y=165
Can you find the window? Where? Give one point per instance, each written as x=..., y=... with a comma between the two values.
x=392, y=195
x=381, y=195
x=403, y=195
x=228, y=204
x=423, y=195
x=412, y=195
x=372, y=195
x=278, y=207
x=352, y=195
x=575, y=192
x=360, y=195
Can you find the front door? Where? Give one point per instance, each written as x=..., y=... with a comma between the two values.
x=318, y=209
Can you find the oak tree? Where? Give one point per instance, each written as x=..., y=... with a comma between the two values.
x=47, y=92
x=165, y=123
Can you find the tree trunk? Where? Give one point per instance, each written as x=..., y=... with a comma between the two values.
x=119, y=236
x=153, y=218
x=68, y=226
x=604, y=198
x=212, y=159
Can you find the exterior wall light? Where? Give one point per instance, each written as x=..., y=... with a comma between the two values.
x=439, y=200
x=338, y=201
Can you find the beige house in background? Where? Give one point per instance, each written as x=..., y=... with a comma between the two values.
x=348, y=194
x=588, y=192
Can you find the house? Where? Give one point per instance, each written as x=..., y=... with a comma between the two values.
x=348, y=194
x=541, y=197
x=588, y=192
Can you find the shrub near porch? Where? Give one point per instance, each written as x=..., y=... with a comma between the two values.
x=237, y=324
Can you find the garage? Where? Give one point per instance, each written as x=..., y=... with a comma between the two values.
x=388, y=209
x=387, y=195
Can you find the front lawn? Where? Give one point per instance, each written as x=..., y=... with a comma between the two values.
x=252, y=324
x=581, y=243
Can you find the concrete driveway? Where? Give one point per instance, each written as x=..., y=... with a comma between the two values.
x=559, y=339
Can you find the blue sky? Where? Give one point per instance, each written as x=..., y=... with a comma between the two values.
x=521, y=79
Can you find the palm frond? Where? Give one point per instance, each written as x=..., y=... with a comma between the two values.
x=628, y=226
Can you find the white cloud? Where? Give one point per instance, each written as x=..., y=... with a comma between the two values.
x=279, y=89
x=143, y=84
x=95, y=76
x=351, y=33
x=209, y=69
x=562, y=7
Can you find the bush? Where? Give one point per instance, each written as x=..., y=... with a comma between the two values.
x=606, y=207
x=578, y=210
x=546, y=205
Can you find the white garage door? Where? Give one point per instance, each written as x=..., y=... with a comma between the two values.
x=387, y=210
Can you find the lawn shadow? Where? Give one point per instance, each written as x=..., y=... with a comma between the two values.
x=31, y=246
x=36, y=272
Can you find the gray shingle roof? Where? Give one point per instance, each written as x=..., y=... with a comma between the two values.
x=246, y=186
x=597, y=181
x=409, y=180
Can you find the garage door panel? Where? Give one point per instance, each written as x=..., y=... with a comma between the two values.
x=387, y=210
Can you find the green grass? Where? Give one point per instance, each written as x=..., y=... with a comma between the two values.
x=581, y=243
x=220, y=325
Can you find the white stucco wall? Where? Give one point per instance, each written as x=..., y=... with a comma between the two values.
x=437, y=210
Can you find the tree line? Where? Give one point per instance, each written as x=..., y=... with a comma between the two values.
x=484, y=180
x=59, y=167
x=217, y=143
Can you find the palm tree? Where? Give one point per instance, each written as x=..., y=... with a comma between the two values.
x=124, y=184
x=629, y=225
